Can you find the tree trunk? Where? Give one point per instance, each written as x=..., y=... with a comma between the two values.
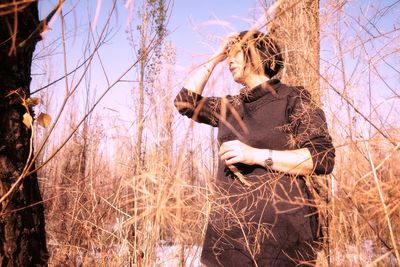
x=22, y=229
x=296, y=29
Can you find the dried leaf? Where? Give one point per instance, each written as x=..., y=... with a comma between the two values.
x=32, y=101
x=27, y=120
x=44, y=120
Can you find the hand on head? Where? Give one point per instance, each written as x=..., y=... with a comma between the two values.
x=222, y=53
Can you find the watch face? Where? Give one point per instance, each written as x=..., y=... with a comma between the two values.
x=268, y=162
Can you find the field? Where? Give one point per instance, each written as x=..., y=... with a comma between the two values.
x=132, y=186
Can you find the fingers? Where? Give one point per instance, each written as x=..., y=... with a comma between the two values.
x=232, y=161
x=228, y=146
x=236, y=152
x=228, y=155
x=225, y=47
x=230, y=41
x=231, y=157
x=232, y=37
x=230, y=152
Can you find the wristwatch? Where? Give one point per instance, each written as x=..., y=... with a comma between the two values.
x=269, y=162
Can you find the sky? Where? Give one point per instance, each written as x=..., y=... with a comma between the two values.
x=195, y=30
x=192, y=26
x=193, y=23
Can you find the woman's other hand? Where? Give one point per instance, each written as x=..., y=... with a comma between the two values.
x=297, y=161
x=237, y=152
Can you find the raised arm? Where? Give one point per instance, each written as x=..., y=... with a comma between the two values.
x=190, y=101
x=197, y=81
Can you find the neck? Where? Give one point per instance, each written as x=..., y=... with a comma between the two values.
x=255, y=79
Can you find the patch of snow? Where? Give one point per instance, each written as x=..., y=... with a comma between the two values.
x=365, y=256
x=173, y=255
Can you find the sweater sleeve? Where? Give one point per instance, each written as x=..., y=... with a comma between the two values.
x=311, y=132
x=197, y=107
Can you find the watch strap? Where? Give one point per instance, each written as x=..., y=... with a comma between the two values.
x=268, y=162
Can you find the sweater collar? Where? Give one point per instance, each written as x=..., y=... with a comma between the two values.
x=268, y=87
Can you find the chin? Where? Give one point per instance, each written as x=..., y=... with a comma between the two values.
x=238, y=79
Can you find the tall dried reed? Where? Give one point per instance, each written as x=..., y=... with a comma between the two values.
x=101, y=212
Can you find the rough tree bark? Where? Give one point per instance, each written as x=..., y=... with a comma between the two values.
x=22, y=228
x=296, y=28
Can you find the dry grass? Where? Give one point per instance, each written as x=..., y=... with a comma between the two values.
x=100, y=211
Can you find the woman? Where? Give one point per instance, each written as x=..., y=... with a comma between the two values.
x=271, y=135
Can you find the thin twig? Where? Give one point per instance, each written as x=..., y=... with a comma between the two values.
x=385, y=209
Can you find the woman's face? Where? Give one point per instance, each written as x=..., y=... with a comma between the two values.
x=237, y=64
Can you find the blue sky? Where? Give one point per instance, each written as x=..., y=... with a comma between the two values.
x=195, y=28
x=191, y=21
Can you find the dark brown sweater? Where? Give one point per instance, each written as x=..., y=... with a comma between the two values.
x=270, y=222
